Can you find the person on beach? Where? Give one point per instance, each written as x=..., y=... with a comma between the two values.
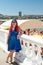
x=13, y=40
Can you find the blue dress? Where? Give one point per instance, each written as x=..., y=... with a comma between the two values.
x=13, y=42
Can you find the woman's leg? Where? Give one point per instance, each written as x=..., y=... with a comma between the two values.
x=10, y=55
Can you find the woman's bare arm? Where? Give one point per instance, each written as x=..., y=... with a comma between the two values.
x=20, y=33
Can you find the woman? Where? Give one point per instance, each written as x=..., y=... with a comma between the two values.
x=13, y=39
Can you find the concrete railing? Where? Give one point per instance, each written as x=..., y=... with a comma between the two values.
x=31, y=47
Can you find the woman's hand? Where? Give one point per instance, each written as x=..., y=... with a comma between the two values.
x=18, y=36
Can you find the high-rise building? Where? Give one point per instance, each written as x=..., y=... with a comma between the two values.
x=20, y=14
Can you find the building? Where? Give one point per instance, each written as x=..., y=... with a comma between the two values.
x=20, y=14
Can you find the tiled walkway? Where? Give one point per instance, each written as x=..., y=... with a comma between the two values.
x=3, y=56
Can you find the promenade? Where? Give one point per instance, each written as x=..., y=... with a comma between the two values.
x=3, y=56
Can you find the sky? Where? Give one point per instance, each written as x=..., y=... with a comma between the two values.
x=27, y=7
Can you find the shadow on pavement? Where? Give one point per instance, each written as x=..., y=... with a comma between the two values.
x=15, y=63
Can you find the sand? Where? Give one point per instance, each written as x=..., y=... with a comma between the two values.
x=32, y=23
